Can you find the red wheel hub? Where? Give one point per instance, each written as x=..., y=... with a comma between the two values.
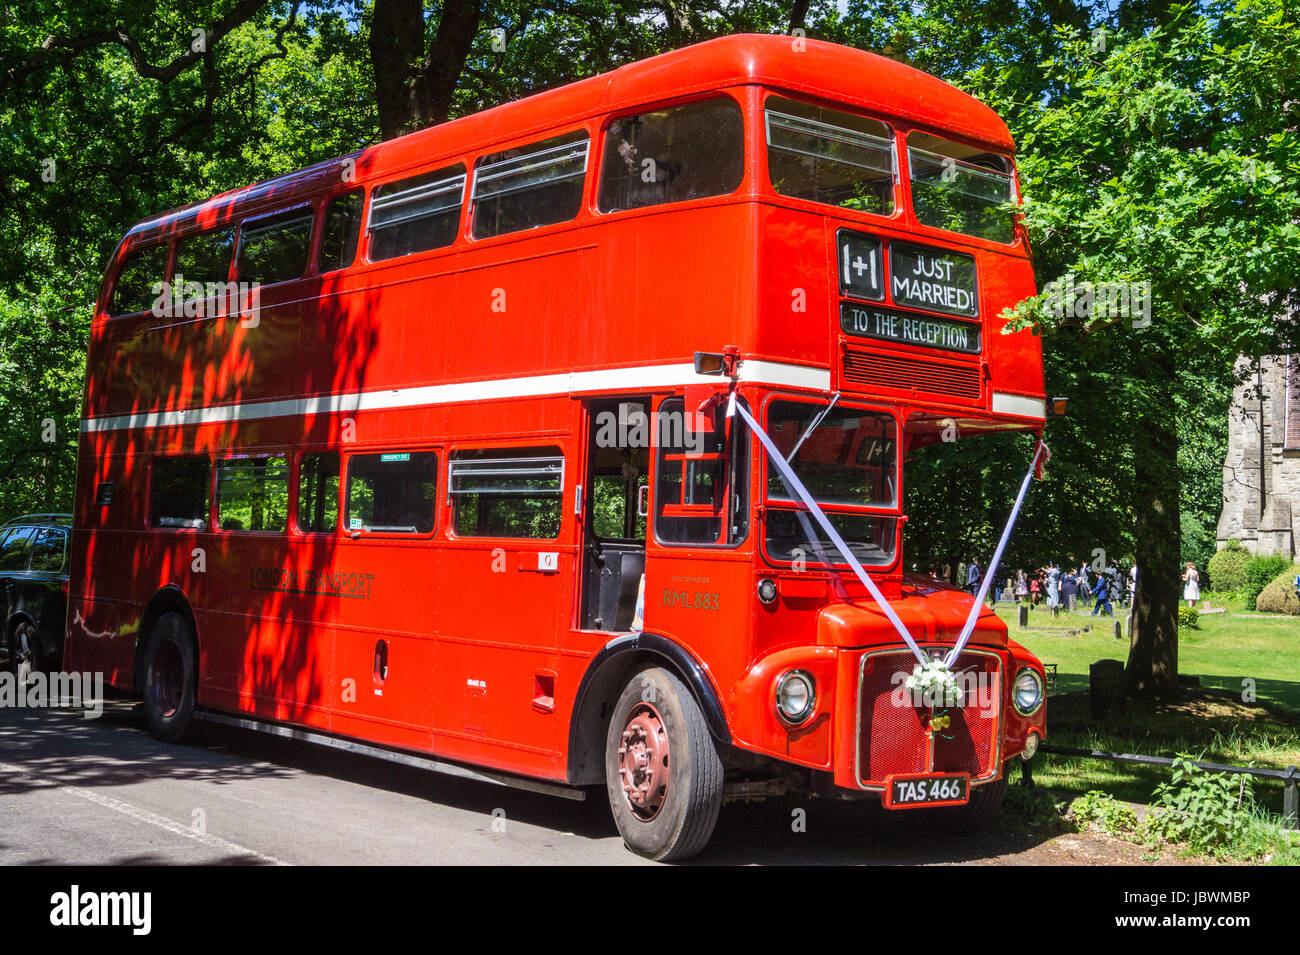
x=643, y=764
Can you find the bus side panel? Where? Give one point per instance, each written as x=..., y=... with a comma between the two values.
x=497, y=654
x=385, y=647
x=104, y=608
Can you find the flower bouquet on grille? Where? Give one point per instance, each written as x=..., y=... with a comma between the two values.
x=933, y=685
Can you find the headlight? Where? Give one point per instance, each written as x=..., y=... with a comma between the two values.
x=767, y=590
x=795, y=696
x=1027, y=692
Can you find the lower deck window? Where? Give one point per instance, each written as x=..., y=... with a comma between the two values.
x=253, y=493
x=318, y=493
x=394, y=492
x=795, y=537
x=513, y=492
x=180, y=492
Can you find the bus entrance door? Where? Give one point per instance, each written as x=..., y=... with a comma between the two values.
x=614, y=518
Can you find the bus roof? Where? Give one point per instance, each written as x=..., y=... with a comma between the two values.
x=811, y=67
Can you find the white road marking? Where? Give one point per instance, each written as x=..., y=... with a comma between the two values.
x=144, y=815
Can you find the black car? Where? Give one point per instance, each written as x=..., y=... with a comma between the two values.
x=34, y=575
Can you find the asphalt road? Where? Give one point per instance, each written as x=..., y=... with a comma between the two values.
x=102, y=791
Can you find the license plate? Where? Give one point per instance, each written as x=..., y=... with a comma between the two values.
x=908, y=792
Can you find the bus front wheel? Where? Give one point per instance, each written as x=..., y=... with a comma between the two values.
x=662, y=770
x=170, y=677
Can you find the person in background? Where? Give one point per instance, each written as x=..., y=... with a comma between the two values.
x=1069, y=589
x=1053, y=586
x=1133, y=584
x=1191, y=585
x=995, y=589
x=1101, y=591
x=1022, y=586
x=973, y=577
x=1114, y=589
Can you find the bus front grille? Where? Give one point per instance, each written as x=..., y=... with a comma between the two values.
x=910, y=375
x=895, y=737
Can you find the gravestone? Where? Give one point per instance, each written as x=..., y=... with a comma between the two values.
x=1105, y=686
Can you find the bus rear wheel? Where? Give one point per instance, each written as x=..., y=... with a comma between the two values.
x=170, y=677
x=662, y=770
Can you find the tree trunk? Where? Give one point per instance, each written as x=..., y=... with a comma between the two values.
x=1152, y=668
x=414, y=89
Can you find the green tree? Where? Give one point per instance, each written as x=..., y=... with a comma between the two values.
x=1169, y=160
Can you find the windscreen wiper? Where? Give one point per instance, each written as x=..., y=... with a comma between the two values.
x=812, y=427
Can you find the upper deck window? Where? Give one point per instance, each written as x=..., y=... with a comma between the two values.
x=205, y=257
x=416, y=214
x=338, y=241
x=671, y=155
x=529, y=186
x=140, y=273
x=824, y=155
x=961, y=188
x=274, y=248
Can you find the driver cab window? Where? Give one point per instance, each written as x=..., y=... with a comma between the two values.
x=701, y=478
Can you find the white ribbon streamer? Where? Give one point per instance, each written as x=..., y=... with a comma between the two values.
x=975, y=608
x=792, y=481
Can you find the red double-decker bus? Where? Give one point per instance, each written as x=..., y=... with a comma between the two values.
x=509, y=446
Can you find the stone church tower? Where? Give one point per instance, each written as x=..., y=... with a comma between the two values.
x=1261, y=474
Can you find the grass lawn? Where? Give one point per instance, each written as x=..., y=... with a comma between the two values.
x=1227, y=649
x=1211, y=723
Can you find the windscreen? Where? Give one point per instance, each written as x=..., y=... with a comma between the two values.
x=846, y=458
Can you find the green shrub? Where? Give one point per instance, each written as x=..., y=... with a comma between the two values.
x=1260, y=571
x=1279, y=596
x=1210, y=812
x=1227, y=568
x=1104, y=811
x=1188, y=617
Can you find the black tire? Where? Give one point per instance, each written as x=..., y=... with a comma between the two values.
x=674, y=821
x=985, y=804
x=26, y=648
x=171, y=677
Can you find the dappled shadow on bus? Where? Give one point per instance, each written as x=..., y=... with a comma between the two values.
x=262, y=635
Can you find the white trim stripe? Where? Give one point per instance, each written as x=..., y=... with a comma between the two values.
x=1019, y=405
x=634, y=378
